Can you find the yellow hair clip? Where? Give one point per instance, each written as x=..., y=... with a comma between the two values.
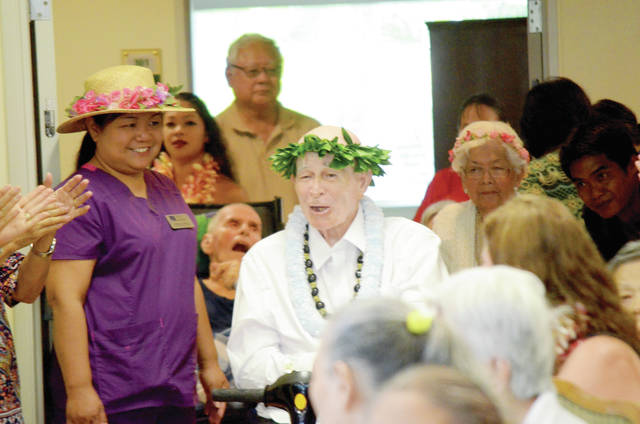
x=418, y=323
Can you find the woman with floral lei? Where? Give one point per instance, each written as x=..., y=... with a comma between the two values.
x=129, y=323
x=597, y=345
x=491, y=161
x=194, y=156
x=336, y=246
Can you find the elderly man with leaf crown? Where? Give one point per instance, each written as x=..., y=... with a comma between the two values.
x=336, y=246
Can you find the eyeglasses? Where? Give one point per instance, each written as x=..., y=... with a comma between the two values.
x=495, y=172
x=254, y=72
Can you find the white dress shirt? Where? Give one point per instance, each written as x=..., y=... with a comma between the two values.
x=547, y=410
x=267, y=340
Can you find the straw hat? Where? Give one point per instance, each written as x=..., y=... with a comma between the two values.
x=119, y=89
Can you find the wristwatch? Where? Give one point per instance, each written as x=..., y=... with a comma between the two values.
x=46, y=254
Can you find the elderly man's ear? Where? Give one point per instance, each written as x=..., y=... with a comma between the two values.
x=364, y=180
x=206, y=244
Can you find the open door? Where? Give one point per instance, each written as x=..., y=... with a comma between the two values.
x=470, y=57
x=26, y=31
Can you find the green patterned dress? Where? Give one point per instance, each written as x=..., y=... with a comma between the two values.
x=546, y=177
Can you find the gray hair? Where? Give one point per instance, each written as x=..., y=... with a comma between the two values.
x=433, y=209
x=483, y=132
x=502, y=312
x=449, y=389
x=372, y=338
x=248, y=39
x=627, y=253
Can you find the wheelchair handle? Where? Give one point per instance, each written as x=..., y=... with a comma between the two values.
x=289, y=392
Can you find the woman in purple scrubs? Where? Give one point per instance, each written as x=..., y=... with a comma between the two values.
x=129, y=323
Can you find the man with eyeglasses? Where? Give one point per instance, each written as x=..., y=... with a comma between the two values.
x=256, y=124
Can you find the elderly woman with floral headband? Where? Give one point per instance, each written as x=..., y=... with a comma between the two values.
x=336, y=246
x=491, y=160
x=129, y=322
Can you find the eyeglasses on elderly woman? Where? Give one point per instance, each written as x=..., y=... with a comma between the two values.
x=478, y=172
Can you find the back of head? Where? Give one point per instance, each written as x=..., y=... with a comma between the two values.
x=627, y=253
x=615, y=110
x=561, y=253
x=373, y=338
x=501, y=313
x=551, y=110
x=481, y=99
x=430, y=212
x=557, y=249
x=462, y=400
x=600, y=135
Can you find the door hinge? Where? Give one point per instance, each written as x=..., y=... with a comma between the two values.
x=534, y=16
x=40, y=10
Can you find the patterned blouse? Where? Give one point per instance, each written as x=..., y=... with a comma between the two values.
x=200, y=186
x=10, y=411
x=546, y=177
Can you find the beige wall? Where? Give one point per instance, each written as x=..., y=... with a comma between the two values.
x=599, y=48
x=4, y=165
x=89, y=36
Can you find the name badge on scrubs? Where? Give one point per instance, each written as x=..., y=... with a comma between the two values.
x=179, y=221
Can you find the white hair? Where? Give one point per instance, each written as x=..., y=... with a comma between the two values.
x=502, y=313
x=433, y=209
x=482, y=132
x=248, y=39
x=371, y=336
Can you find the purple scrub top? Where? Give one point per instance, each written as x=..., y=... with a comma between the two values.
x=140, y=307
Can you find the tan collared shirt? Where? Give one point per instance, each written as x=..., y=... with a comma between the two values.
x=249, y=154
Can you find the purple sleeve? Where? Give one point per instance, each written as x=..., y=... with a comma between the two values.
x=81, y=238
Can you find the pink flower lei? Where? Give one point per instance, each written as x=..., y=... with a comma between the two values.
x=508, y=139
x=127, y=99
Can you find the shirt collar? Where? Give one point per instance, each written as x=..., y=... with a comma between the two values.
x=355, y=237
x=286, y=120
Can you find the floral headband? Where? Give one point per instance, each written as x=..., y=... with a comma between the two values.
x=125, y=99
x=363, y=158
x=508, y=139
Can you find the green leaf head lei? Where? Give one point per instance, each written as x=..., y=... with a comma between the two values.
x=363, y=158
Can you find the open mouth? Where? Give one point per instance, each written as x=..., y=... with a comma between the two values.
x=141, y=149
x=240, y=247
x=319, y=209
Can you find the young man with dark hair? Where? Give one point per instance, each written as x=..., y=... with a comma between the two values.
x=599, y=158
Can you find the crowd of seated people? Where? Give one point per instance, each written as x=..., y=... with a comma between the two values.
x=395, y=320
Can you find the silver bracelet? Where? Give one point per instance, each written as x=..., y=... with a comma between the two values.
x=46, y=254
